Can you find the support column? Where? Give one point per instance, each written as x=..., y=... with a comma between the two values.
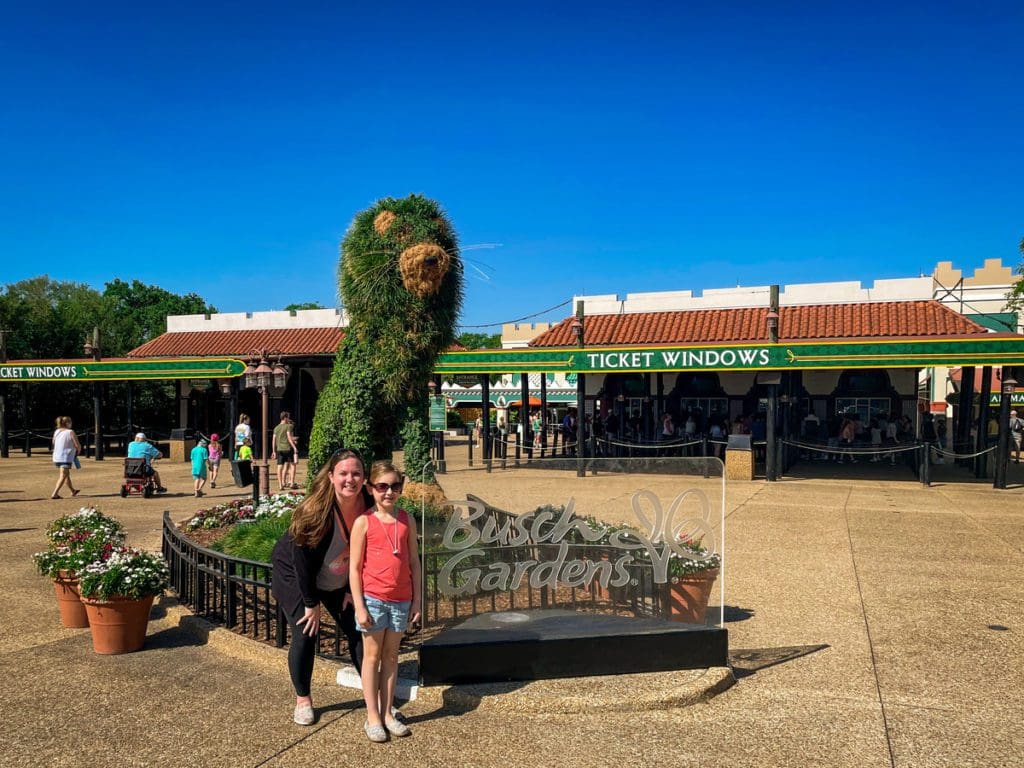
x=1003, y=451
x=962, y=435
x=581, y=424
x=4, y=448
x=97, y=396
x=660, y=383
x=543, y=413
x=524, y=410
x=769, y=449
x=485, y=393
x=440, y=461
x=981, y=441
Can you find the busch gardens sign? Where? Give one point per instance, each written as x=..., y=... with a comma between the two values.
x=492, y=552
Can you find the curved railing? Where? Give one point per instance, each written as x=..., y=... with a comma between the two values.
x=234, y=592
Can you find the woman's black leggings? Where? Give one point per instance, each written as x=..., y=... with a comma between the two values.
x=303, y=647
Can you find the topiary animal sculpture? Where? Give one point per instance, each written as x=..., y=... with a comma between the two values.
x=400, y=280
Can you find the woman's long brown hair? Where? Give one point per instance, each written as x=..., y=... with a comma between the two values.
x=312, y=517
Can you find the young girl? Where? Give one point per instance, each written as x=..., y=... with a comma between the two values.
x=385, y=578
x=215, y=456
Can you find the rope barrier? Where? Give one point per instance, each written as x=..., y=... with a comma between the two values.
x=951, y=455
x=648, y=445
x=849, y=450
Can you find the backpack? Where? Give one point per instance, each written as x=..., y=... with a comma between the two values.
x=1016, y=424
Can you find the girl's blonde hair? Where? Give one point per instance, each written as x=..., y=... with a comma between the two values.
x=313, y=515
x=384, y=467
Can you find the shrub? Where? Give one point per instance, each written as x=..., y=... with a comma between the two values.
x=255, y=540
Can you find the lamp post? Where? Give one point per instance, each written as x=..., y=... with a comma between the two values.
x=1003, y=451
x=92, y=349
x=263, y=376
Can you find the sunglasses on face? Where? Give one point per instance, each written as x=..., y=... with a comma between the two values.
x=385, y=487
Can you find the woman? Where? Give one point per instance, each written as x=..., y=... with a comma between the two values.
x=311, y=567
x=243, y=432
x=65, y=448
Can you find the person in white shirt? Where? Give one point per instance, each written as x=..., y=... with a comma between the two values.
x=243, y=432
x=65, y=448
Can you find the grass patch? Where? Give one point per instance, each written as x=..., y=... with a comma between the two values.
x=256, y=540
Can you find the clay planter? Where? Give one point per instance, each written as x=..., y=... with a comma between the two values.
x=118, y=624
x=69, y=601
x=687, y=599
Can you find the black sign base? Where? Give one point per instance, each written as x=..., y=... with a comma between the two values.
x=545, y=644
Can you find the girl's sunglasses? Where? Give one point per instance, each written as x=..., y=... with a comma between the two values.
x=385, y=487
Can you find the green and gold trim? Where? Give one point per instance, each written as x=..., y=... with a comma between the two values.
x=919, y=353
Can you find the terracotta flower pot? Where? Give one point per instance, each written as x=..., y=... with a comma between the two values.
x=69, y=601
x=686, y=600
x=118, y=624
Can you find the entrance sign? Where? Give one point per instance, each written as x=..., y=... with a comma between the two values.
x=122, y=370
x=551, y=575
x=438, y=414
x=614, y=542
x=984, y=350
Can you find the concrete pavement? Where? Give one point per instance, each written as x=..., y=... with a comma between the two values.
x=873, y=623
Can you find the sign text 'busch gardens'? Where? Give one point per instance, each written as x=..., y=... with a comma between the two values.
x=122, y=370
x=551, y=547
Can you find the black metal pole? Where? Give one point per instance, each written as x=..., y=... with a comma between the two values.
x=769, y=448
x=581, y=401
x=962, y=436
x=524, y=411
x=130, y=394
x=4, y=449
x=24, y=420
x=1003, y=451
x=981, y=436
x=97, y=397
x=485, y=394
x=543, y=413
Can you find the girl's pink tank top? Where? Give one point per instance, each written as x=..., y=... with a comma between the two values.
x=386, y=573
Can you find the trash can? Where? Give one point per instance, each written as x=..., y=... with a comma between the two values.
x=181, y=444
x=241, y=472
x=739, y=458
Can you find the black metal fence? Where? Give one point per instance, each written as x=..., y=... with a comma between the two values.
x=234, y=592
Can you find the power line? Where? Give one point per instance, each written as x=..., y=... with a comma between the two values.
x=518, y=319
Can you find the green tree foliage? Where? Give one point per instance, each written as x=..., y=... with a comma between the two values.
x=399, y=321
x=135, y=313
x=304, y=305
x=480, y=340
x=1015, y=297
x=51, y=319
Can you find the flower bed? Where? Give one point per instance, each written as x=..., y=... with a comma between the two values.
x=242, y=510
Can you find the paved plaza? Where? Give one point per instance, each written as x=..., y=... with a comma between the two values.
x=872, y=622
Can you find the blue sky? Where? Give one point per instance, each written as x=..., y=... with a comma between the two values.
x=223, y=148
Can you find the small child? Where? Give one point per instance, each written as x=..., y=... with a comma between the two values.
x=200, y=455
x=245, y=452
x=384, y=573
x=215, y=457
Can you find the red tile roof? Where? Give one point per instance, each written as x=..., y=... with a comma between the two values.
x=296, y=342
x=287, y=341
x=748, y=324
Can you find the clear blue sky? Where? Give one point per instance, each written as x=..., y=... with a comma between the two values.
x=599, y=147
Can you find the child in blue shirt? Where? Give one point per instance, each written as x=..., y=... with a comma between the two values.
x=200, y=455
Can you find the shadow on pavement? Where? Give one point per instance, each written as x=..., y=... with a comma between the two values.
x=747, y=661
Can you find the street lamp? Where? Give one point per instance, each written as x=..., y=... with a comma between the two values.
x=91, y=347
x=773, y=326
x=264, y=377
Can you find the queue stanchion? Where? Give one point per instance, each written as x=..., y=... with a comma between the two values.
x=518, y=447
x=925, y=450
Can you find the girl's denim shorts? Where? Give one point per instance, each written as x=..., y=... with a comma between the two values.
x=386, y=614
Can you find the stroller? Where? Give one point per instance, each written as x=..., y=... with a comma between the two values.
x=138, y=478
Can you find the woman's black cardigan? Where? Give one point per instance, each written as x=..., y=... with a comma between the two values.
x=295, y=569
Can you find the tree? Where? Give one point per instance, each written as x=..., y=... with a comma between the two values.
x=1015, y=297
x=135, y=313
x=304, y=305
x=480, y=340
